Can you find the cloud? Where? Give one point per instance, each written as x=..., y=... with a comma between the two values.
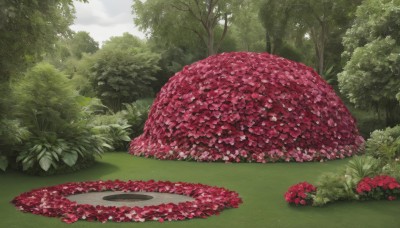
x=104, y=19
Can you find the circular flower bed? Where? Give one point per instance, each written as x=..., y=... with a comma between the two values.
x=52, y=201
x=252, y=107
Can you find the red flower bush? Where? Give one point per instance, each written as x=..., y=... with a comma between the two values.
x=378, y=187
x=300, y=194
x=252, y=107
x=51, y=201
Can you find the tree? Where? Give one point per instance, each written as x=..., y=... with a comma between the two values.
x=123, y=71
x=371, y=77
x=275, y=17
x=246, y=28
x=323, y=20
x=176, y=20
x=27, y=28
x=81, y=42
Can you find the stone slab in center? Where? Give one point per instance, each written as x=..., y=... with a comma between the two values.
x=96, y=198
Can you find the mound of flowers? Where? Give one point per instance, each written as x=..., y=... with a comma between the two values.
x=52, y=201
x=247, y=107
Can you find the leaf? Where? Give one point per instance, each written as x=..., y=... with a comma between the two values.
x=70, y=158
x=3, y=163
x=45, y=162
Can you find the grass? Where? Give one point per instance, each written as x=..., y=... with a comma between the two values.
x=260, y=185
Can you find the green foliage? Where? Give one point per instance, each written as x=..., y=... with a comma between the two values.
x=11, y=135
x=123, y=76
x=392, y=169
x=48, y=151
x=384, y=144
x=81, y=42
x=114, y=128
x=367, y=121
x=136, y=114
x=45, y=100
x=362, y=166
x=342, y=184
x=51, y=110
x=370, y=77
x=27, y=28
x=186, y=23
x=333, y=187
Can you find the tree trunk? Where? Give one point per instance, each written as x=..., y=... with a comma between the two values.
x=210, y=43
x=268, y=45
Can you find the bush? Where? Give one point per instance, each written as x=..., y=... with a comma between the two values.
x=113, y=127
x=49, y=151
x=50, y=110
x=384, y=144
x=342, y=184
x=123, y=76
x=45, y=101
x=11, y=135
x=333, y=187
x=136, y=114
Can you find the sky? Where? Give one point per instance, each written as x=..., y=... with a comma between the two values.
x=103, y=19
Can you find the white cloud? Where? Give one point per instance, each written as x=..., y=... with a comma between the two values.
x=103, y=19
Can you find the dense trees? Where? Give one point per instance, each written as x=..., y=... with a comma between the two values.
x=372, y=47
x=35, y=25
x=177, y=21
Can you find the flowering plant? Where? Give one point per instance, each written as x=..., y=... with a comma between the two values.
x=52, y=201
x=378, y=187
x=248, y=107
x=300, y=194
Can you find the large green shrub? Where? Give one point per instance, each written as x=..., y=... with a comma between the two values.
x=370, y=78
x=384, y=144
x=123, y=72
x=45, y=101
x=50, y=110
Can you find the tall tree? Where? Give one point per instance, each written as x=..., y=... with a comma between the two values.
x=27, y=28
x=323, y=19
x=371, y=77
x=81, y=42
x=175, y=19
x=246, y=27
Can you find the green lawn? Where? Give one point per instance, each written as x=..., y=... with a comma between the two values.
x=261, y=187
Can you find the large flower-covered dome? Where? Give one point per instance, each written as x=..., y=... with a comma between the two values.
x=252, y=107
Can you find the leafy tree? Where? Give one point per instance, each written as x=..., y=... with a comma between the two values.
x=81, y=42
x=123, y=72
x=27, y=28
x=246, y=27
x=276, y=17
x=182, y=21
x=370, y=79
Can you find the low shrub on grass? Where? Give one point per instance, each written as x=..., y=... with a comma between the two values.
x=361, y=178
x=384, y=144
